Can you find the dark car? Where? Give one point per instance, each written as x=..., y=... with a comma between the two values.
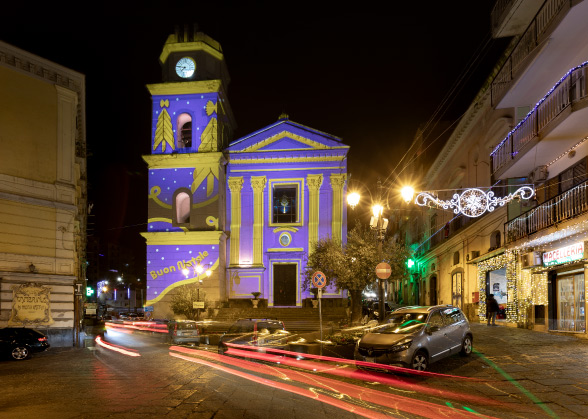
x=417, y=336
x=20, y=342
x=184, y=331
x=255, y=333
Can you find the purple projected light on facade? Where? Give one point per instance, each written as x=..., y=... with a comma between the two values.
x=166, y=262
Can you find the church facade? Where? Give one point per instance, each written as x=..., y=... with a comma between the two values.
x=232, y=218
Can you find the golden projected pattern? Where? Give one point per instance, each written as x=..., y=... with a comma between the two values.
x=208, y=172
x=164, y=133
x=208, y=138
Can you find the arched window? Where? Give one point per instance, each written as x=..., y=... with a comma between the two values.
x=182, y=208
x=184, y=131
x=456, y=258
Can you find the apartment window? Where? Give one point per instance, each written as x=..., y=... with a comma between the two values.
x=456, y=258
x=285, y=204
x=184, y=131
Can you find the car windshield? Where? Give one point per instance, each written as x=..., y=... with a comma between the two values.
x=187, y=326
x=402, y=323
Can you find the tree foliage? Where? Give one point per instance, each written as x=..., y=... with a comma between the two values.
x=352, y=267
x=182, y=301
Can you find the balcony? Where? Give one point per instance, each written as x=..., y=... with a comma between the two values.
x=511, y=17
x=566, y=101
x=566, y=205
x=532, y=41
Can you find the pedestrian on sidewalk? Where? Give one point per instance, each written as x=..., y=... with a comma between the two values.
x=491, y=309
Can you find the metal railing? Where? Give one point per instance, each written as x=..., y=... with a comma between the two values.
x=571, y=88
x=527, y=43
x=566, y=205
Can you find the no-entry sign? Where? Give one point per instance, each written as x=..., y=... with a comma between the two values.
x=383, y=270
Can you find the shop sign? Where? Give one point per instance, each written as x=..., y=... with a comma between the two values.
x=564, y=254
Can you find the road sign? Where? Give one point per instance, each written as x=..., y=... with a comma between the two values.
x=383, y=270
x=319, y=279
x=198, y=304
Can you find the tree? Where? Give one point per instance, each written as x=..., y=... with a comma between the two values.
x=182, y=301
x=352, y=267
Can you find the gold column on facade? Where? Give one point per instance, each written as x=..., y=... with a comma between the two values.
x=314, y=185
x=258, y=185
x=337, y=183
x=235, y=185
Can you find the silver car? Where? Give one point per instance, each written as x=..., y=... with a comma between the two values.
x=417, y=336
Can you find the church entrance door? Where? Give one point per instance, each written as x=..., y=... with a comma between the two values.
x=285, y=284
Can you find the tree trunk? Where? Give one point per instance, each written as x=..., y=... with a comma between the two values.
x=355, y=306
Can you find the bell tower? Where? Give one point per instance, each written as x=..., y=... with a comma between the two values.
x=191, y=124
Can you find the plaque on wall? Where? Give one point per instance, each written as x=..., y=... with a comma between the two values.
x=30, y=305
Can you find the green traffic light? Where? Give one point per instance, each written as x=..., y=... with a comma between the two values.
x=410, y=263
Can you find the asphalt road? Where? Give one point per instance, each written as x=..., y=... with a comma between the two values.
x=515, y=373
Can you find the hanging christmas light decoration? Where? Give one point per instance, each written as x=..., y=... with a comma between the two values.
x=474, y=202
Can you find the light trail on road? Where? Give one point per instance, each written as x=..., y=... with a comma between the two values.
x=309, y=393
x=370, y=398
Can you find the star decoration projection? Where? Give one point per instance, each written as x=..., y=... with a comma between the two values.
x=474, y=202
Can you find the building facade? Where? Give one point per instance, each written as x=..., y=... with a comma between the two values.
x=527, y=126
x=232, y=218
x=42, y=195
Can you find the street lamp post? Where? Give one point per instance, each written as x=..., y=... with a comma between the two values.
x=379, y=224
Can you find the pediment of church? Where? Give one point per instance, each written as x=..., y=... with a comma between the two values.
x=285, y=135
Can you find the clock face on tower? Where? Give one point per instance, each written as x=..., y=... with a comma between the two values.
x=185, y=67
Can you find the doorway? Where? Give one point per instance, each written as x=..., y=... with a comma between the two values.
x=433, y=290
x=285, y=284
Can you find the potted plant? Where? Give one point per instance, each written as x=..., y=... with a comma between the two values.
x=255, y=300
x=314, y=291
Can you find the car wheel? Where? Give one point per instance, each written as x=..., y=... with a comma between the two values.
x=420, y=361
x=20, y=352
x=466, y=346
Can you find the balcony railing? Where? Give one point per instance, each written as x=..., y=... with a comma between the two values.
x=527, y=43
x=570, y=88
x=569, y=204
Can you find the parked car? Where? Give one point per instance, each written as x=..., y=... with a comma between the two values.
x=184, y=331
x=416, y=337
x=20, y=342
x=255, y=333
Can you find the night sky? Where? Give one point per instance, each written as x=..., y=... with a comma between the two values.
x=368, y=75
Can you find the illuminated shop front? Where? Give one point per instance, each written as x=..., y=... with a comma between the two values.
x=497, y=275
x=566, y=287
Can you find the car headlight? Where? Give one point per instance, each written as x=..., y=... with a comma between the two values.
x=401, y=346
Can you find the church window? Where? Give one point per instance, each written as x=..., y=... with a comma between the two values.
x=182, y=208
x=285, y=204
x=184, y=131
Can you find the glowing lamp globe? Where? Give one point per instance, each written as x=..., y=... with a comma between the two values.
x=353, y=199
x=185, y=271
x=377, y=210
x=407, y=193
x=199, y=269
x=208, y=272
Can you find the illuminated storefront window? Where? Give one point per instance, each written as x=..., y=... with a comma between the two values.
x=571, y=315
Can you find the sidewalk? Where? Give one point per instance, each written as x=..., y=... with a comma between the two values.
x=551, y=368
